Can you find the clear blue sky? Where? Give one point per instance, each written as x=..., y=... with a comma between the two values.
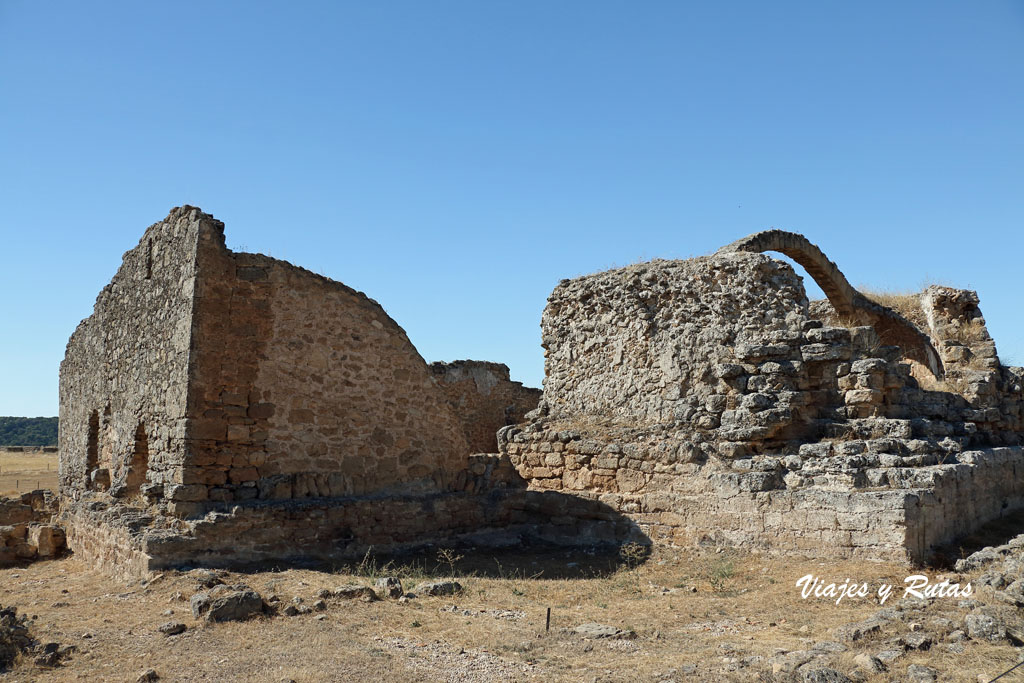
x=454, y=160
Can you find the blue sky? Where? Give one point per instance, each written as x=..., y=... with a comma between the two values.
x=454, y=160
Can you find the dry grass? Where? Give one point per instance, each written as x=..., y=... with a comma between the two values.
x=23, y=472
x=742, y=603
x=907, y=304
x=969, y=333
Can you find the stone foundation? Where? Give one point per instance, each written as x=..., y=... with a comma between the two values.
x=931, y=507
x=872, y=507
x=133, y=542
x=919, y=510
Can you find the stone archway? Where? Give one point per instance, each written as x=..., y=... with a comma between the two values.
x=892, y=328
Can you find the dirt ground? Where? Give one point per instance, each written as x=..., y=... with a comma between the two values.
x=23, y=472
x=695, y=615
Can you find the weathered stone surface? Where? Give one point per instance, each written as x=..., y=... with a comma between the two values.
x=592, y=630
x=919, y=673
x=355, y=592
x=868, y=663
x=389, y=587
x=206, y=378
x=691, y=387
x=47, y=538
x=824, y=675
x=984, y=627
x=172, y=628
x=484, y=398
x=14, y=636
x=439, y=588
x=226, y=603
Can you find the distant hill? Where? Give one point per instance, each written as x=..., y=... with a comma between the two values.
x=28, y=431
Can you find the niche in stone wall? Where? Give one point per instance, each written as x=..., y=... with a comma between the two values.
x=99, y=473
x=92, y=447
x=139, y=463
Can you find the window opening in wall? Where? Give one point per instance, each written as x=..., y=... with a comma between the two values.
x=149, y=259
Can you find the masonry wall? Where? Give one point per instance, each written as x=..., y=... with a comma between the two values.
x=638, y=343
x=124, y=377
x=484, y=398
x=701, y=400
x=302, y=387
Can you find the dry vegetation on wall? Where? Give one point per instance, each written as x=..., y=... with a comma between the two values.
x=907, y=304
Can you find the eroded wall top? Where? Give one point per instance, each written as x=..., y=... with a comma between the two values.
x=642, y=343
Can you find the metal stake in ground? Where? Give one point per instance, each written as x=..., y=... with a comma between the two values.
x=547, y=624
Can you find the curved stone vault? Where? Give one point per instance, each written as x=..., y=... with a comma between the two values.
x=892, y=328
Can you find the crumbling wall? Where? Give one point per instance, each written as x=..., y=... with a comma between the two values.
x=484, y=398
x=641, y=344
x=702, y=399
x=27, y=531
x=890, y=326
x=125, y=371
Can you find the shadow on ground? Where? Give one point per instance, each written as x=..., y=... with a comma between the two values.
x=996, y=532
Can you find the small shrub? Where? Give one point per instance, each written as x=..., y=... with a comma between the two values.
x=633, y=554
x=720, y=573
x=449, y=557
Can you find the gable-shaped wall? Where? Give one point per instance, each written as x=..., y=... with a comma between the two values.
x=302, y=387
x=124, y=377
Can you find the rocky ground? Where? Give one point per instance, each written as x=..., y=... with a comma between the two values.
x=672, y=616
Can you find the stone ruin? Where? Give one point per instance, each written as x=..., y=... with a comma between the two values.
x=706, y=399
x=224, y=408
x=230, y=405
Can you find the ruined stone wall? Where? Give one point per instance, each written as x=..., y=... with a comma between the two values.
x=128, y=542
x=484, y=398
x=640, y=344
x=702, y=400
x=26, y=529
x=303, y=387
x=124, y=377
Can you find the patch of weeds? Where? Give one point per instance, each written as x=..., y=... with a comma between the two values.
x=721, y=571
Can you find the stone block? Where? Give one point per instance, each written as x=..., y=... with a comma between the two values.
x=186, y=492
x=48, y=539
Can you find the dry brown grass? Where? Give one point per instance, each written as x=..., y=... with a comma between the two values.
x=969, y=333
x=742, y=603
x=23, y=472
x=907, y=304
